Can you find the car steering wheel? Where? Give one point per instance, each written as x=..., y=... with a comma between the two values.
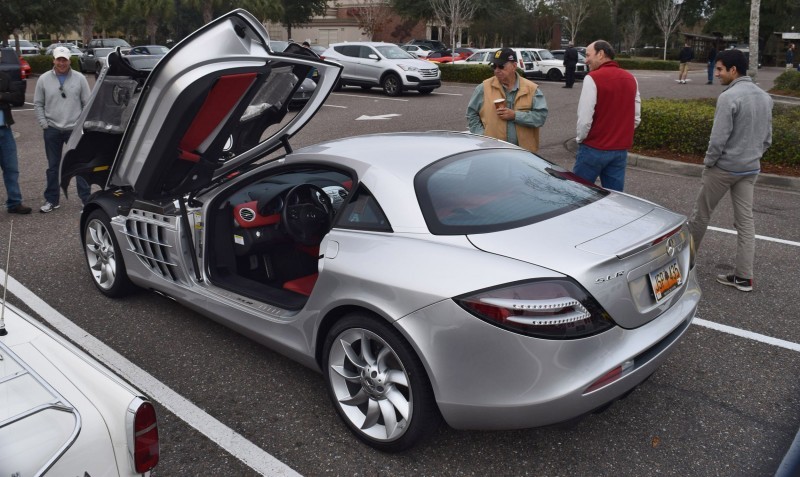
x=307, y=214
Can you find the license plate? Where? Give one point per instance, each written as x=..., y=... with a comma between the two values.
x=666, y=280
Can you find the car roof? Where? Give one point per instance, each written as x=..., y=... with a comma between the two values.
x=366, y=43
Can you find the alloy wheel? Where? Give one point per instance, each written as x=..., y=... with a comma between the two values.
x=100, y=254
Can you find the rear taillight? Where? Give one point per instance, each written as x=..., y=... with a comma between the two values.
x=550, y=309
x=143, y=435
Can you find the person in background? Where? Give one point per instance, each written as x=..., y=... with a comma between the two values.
x=712, y=60
x=608, y=112
x=10, y=93
x=306, y=44
x=741, y=133
x=684, y=57
x=570, y=61
x=790, y=56
x=508, y=106
x=60, y=96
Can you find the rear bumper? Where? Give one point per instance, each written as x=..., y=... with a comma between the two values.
x=487, y=378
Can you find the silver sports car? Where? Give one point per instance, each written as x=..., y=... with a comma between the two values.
x=426, y=275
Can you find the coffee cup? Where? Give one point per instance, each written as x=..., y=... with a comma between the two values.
x=499, y=103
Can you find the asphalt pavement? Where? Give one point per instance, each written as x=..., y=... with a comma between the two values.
x=726, y=403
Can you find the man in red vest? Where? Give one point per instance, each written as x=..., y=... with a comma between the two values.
x=608, y=112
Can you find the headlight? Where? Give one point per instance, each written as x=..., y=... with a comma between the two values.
x=550, y=309
x=408, y=68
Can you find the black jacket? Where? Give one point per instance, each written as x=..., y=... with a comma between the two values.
x=686, y=54
x=571, y=57
x=9, y=93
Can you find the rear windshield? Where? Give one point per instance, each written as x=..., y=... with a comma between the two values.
x=497, y=189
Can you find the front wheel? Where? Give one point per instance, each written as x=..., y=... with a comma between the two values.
x=103, y=256
x=392, y=85
x=378, y=384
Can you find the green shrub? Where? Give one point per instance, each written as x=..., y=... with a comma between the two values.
x=684, y=126
x=42, y=63
x=789, y=80
x=461, y=73
x=643, y=64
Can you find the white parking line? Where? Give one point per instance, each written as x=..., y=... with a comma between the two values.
x=747, y=334
x=233, y=442
x=448, y=94
x=760, y=237
x=376, y=98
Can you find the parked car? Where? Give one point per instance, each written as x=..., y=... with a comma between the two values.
x=73, y=50
x=424, y=274
x=307, y=86
x=479, y=57
x=581, y=69
x=155, y=50
x=465, y=52
x=433, y=45
x=25, y=68
x=443, y=56
x=541, y=63
x=94, y=60
x=13, y=66
x=25, y=47
x=420, y=51
x=370, y=64
x=64, y=413
x=108, y=43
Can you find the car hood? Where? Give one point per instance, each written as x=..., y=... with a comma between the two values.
x=213, y=104
x=415, y=63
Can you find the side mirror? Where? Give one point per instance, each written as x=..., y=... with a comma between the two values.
x=374, y=56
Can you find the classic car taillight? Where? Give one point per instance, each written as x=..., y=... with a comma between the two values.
x=551, y=309
x=144, y=438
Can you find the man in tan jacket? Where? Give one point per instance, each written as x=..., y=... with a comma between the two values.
x=508, y=106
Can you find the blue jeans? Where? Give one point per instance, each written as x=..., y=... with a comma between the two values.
x=10, y=166
x=711, y=65
x=609, y=165
x=54, y=140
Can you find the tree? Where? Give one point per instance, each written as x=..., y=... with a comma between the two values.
x=666, y=13
x=151, y=12
x=16, y=14
x=371, y=15
x=91, y=11
x=299, y=12
x=574, y=13
x=632, y=31
x=455, y=14
x=755, y=6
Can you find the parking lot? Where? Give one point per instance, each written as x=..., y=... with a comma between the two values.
x=726, y=403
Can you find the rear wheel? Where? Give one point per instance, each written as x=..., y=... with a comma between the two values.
x=103, y=256
x=391, y=85
x=554, y=75
x=425, y=90
x=378, y=384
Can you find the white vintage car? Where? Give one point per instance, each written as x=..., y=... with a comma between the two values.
x=64, y=414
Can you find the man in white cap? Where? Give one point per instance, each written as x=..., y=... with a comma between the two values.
x=59, y=99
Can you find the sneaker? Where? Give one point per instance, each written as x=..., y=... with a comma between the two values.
x=48, y=207
x=741, y=284
x=19, y=209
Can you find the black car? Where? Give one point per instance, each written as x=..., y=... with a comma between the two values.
x=9, y=64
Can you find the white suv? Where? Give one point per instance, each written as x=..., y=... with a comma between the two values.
x=369, y=64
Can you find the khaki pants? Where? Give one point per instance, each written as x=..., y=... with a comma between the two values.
x=715, y=184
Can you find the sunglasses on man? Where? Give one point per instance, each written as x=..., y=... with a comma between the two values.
x=494, y=66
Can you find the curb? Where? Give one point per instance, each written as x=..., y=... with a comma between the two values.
x=695, y=170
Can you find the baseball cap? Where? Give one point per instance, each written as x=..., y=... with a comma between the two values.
x=61, y=52
x=504, y=55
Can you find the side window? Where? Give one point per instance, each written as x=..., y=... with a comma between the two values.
x=536, y=56
x=348, y=50
x=366, y=51
x=362, y=212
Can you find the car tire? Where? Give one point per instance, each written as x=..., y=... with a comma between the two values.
x=384, y=395
x=104, y=257
x=425, y=90
x=392, y=85
x=554, y=75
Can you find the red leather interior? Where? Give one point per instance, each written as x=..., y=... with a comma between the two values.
x=302, y=285
x=258, y=219
x=222, y=98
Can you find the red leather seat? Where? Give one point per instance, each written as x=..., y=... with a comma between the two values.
x=302, y=285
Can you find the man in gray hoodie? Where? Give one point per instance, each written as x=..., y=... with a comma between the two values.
x=60, y=96
x=741, y=133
